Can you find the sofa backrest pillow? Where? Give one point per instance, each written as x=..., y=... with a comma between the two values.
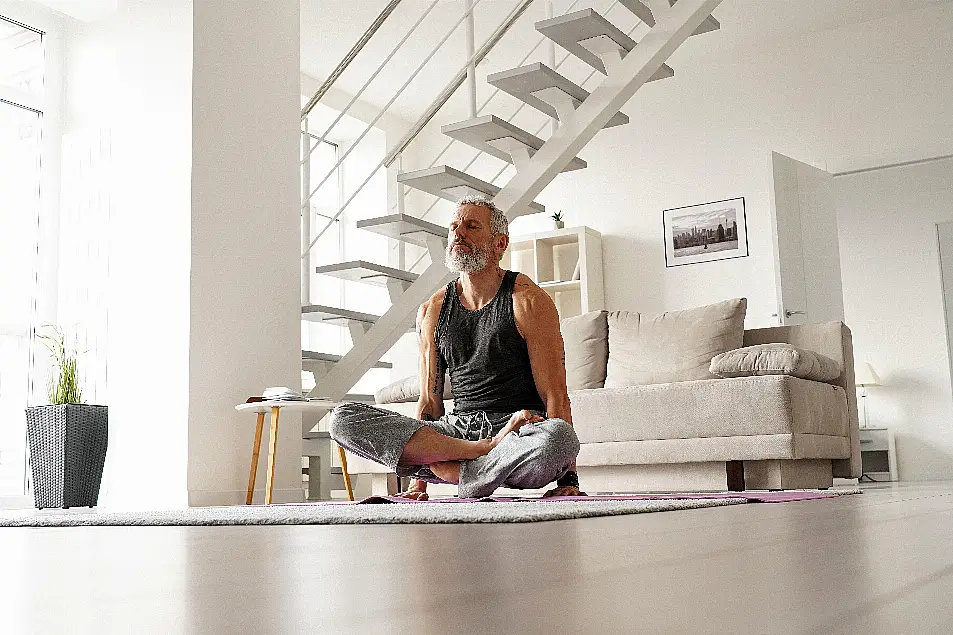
x=776, y=359
x=407, y=389
x=673, y=346
x=586, y=343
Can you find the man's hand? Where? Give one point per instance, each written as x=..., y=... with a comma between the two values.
x=417, y=491
x=564, y=491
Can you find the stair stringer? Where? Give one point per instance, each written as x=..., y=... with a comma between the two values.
x=625, y=77
x=382, y=335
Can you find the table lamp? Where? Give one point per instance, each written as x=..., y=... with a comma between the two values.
x=864, y=376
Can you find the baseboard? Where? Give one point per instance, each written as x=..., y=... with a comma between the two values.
x=210, y=498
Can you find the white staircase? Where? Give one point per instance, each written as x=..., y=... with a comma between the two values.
x=590, y=37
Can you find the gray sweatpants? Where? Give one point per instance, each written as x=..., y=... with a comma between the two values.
x=535, y=455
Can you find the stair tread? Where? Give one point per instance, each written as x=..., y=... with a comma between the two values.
x=317, y=434
x=568, y=31
x=478, y=132
x=438, y=180
x=315, y=356
x=366, y=272
x=405, y=228
x=523, y=81
x=644, y=13
x=334, y=315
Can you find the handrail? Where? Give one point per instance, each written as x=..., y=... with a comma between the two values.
x=380, y=68
x=480, y=54
x=457, y=81
x=326, y=85
x=370, y=126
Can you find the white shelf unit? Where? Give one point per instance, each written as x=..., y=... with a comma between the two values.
x=550, y=258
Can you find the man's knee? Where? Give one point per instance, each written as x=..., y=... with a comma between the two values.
x=346, y=421
x=562, y=444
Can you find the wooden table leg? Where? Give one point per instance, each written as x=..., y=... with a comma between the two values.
x=270, y=483
x=347, y=477
x=254, y=459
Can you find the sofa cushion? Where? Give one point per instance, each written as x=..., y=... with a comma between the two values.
x=763, y=405
x=673, y=346
x=406, y=389
x=776, y=359
x=586, y=342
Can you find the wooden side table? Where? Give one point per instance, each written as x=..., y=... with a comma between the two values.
x=878, y=453
x=261, y=408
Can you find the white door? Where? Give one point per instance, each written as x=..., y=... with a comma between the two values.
x=806, y=249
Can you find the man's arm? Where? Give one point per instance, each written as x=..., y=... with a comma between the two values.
x=538, y=322
x=430, y=404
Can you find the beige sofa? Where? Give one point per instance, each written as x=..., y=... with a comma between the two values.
x=704, y=433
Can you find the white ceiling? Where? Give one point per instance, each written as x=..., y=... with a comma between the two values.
x=330, y=28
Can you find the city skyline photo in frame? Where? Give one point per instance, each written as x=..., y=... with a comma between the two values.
x=705, y=232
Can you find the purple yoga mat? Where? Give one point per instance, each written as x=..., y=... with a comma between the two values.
x=753, y=497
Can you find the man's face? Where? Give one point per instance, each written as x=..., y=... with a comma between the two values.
x=471, y=245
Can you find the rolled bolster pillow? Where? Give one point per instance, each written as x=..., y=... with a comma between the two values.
x=776, y=359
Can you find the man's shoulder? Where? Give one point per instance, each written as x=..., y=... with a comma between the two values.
x=529, y=298
x=525, y=290
x=434, y=302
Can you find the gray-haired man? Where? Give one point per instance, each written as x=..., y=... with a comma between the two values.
x=497, y=334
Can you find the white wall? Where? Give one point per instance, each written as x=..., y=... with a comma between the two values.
x=893, y=301
x=203, y=243
x=150, y=256
x=245, y=236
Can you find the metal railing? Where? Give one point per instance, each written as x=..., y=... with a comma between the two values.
x=373, y=76
x=390, y=103
x=342, y=66
x=455, y=83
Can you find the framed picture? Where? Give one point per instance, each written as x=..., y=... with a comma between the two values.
x=706, y=232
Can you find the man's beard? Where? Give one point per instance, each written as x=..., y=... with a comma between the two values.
x=467, y=262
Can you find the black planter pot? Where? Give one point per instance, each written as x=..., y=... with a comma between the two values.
x=67, y=453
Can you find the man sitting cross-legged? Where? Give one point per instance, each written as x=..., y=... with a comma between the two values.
x=497, y=334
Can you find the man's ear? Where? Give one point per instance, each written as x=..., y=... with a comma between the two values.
x=502, y=242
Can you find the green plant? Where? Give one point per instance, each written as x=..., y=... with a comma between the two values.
x=64, y=382
x=558, y=216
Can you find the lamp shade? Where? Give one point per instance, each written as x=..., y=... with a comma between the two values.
x=865, y=375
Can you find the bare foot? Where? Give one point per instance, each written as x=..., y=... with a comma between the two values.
x=417, y=491
x=517, y=421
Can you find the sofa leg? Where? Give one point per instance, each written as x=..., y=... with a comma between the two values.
x=735, y=473
x=783, y=474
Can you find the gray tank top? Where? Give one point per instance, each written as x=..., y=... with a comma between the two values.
x=485, y=354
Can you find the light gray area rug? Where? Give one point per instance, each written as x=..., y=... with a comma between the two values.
x=345, y=514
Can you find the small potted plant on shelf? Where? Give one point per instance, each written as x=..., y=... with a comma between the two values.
x=558, y=217
x=67, y=438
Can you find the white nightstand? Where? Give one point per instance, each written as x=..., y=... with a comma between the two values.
x=878, y=452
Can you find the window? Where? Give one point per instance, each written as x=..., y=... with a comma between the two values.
x=21, y=120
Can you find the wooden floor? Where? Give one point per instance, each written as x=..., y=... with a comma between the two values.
x=880, y=562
